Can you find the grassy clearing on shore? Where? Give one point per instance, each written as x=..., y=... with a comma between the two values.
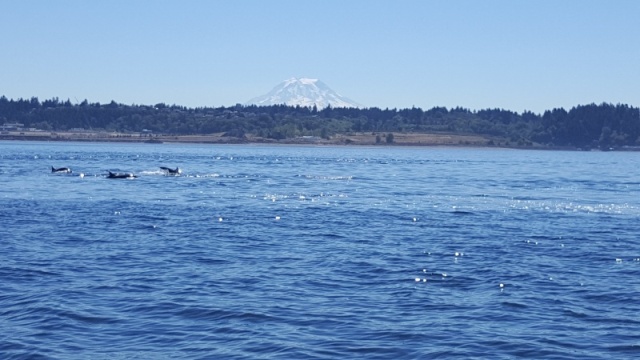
x=401, y=139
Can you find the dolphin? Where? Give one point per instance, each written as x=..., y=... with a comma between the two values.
x=170, y=171
x=121, y=175
x=61, y=170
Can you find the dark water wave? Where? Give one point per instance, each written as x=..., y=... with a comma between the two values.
x=307, y=253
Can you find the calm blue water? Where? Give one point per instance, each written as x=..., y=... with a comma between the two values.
x=277, y=252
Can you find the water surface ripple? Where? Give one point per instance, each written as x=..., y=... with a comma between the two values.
x=278, y=252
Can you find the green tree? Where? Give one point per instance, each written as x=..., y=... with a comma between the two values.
x=390, y=138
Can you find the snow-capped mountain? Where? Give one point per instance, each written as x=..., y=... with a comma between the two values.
x=303, y=92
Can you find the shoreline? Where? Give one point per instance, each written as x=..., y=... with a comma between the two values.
x=413, y=139
x=349, y=139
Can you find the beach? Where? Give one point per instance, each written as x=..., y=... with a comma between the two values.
x=359, y=138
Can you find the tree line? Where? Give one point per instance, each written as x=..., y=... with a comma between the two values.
x=584, y=126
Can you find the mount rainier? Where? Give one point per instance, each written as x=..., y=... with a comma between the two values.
x=303, y=92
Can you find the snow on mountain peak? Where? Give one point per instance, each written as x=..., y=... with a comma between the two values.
x=307, y=81
x=303, y=92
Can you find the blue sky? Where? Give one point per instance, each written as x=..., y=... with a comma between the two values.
x=516, y=55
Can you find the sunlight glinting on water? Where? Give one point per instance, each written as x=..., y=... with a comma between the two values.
x=328, y=252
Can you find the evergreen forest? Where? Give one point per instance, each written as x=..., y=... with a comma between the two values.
x=603, y=126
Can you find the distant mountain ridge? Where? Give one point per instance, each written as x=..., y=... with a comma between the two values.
x=304, y=92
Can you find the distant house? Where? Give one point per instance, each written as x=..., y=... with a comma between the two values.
x=77, y=130
x=11, y=127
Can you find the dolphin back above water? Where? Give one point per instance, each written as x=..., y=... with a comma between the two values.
x=170, y=171
x=121, y=175
x=65, y=170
